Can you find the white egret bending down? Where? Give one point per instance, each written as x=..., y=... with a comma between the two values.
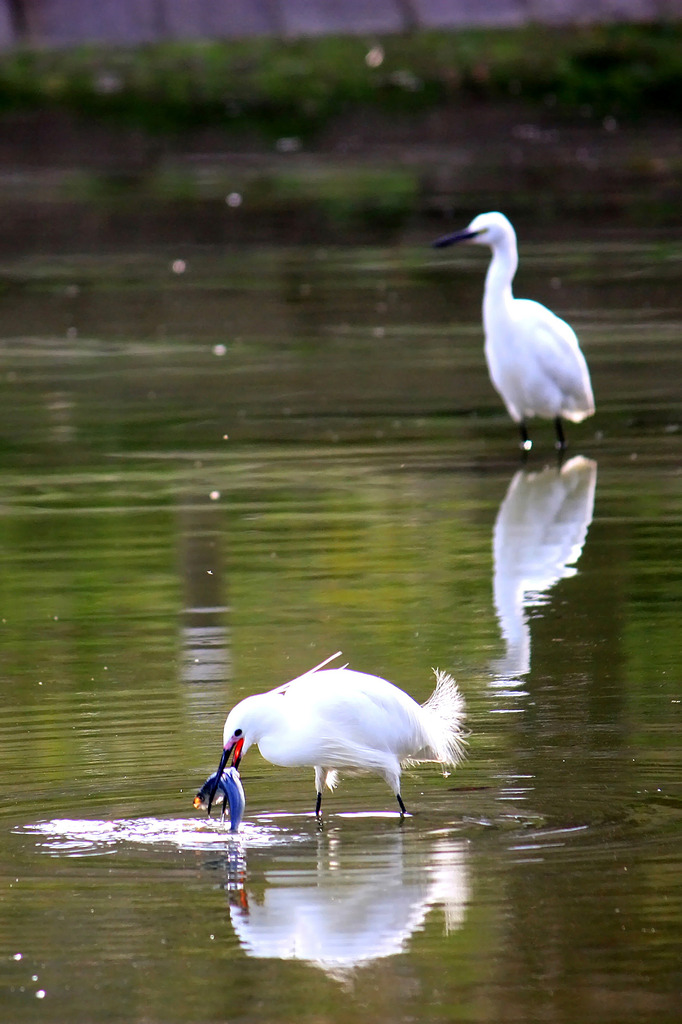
x=338, y=718
x=534, y=359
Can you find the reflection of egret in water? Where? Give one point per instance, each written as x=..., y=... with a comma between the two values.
x=334, y=900
x=357, y=904
x=539, y=535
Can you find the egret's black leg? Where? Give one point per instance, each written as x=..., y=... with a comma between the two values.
x=318, y=805
x=526, y=443
x=401, y=805
x=222, y=813
x=560, y=439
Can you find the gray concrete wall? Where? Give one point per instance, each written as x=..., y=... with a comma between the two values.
x=129, y=22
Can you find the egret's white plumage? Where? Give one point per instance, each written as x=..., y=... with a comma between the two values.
x=338, y=718
x=533, y=356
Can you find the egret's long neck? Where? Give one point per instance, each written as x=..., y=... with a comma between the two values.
x=498, y=281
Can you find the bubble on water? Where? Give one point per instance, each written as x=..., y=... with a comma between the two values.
x=178, y=266
x=234, y=199
x=40, y=994
x=219, y=350
x=288, y=144
x=214, y=495
x=107, y=83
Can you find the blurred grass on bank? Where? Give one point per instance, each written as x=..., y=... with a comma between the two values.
x=339, y=138
x=295, y=88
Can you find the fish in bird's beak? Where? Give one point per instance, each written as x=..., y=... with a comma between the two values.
x=235, y=743
x=230, y=785
x=458, y=236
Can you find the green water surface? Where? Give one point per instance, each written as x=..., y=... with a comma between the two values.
x=216, y=473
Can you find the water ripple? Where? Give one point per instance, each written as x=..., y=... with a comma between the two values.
x=78, y=837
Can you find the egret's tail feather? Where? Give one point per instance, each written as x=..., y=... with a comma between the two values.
x=445, y=713
x=328, y=777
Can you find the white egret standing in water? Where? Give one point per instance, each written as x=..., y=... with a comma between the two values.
x=339, y=718
x=534, y=359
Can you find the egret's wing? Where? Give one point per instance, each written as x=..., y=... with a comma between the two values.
x=349, y=714
x=558, y=356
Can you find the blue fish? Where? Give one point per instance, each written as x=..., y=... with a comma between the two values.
x=230, y=785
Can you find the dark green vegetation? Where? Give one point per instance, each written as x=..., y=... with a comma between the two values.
x=285, y=88
x=340, y=140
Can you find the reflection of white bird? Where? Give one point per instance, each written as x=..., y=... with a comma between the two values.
x=534, y=358
x=539, y=535
x=339, y=718
x=339, y=915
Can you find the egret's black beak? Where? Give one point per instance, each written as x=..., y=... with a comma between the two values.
x=459, y=236
x=224, y=758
